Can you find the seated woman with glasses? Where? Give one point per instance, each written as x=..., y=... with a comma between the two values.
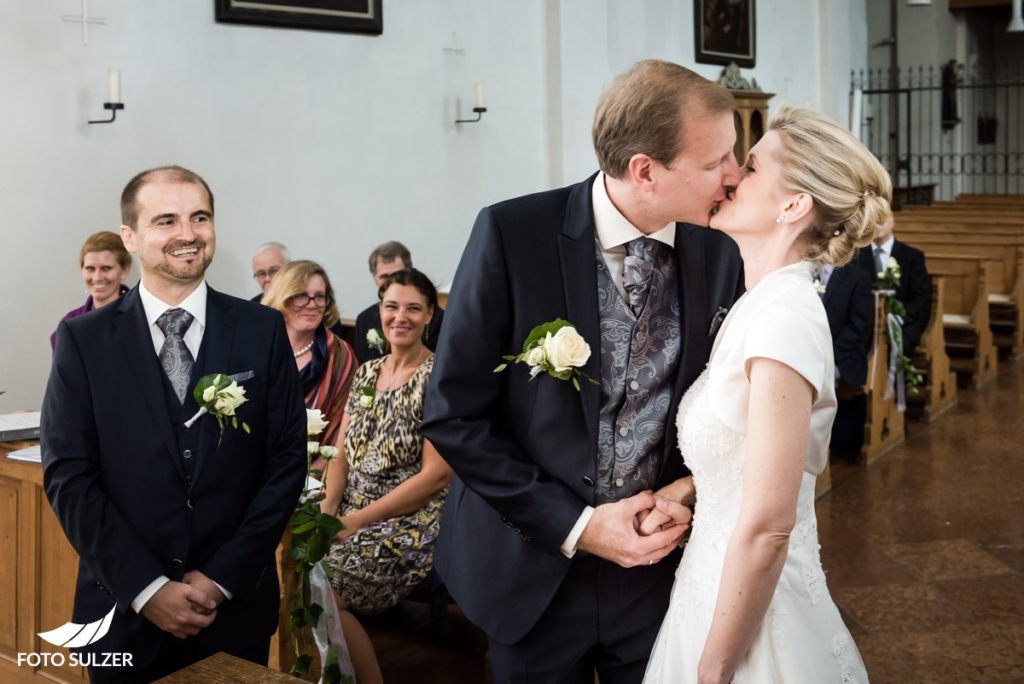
x=388, y=483
x=302, y=292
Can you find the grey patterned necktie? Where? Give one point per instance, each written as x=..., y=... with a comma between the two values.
x=879, y=266
x=636, y=271
x=175, y=358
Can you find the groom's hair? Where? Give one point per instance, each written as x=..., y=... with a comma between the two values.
x=171, y=173
x=643, y=110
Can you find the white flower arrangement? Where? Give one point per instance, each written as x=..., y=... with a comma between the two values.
x=220, y=396
x=555, y=348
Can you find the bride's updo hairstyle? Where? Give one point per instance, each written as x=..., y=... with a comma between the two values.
x=850, y=188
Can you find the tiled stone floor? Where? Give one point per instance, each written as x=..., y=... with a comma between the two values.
x=924, y=550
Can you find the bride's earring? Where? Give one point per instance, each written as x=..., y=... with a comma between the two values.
x=782, y=217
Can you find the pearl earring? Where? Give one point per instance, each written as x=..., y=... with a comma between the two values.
x=782, y=217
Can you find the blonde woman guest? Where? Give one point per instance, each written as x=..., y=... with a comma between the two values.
x=302, y=292
x=750, y=602
x=105, y=265
x=388, y=483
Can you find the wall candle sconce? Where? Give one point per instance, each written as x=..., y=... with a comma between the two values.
x=113, y=102
x=478, y=104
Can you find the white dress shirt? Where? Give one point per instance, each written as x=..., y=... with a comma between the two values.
x=886, y=249
x=613, y=232
x=154, y=307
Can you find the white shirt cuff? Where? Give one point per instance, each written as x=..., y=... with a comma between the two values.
x=148, y=592
x=568, y=547
x=227, y=594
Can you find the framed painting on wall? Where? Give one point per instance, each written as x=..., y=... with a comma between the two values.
x=724, y=31
x=350, y=16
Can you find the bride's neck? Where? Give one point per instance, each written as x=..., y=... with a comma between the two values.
x=763, y=256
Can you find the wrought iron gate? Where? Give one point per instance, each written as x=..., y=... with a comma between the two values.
x=942, y=134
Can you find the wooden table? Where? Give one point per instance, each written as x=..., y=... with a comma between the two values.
x=38, y=568
x=228, y=669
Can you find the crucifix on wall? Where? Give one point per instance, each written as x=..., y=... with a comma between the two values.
x=84, y=19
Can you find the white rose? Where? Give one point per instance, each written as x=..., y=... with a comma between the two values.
x=892, y=263
x=229, y=399
x=328, y=452
x=566, y=349
x=312, y=448
x=315, y=423
x=365, y=400
x=209, y=393
x=535, y=356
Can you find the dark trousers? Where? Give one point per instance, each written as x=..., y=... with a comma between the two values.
x=848, y=428
x=174, y=654
x=603, y=617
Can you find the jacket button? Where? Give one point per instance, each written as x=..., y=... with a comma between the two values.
x=187, y=453
x=190, y=503
x=176, y=564
x=587, y=481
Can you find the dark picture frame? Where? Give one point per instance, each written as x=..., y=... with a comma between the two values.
x=725, y=31
x=349, y=16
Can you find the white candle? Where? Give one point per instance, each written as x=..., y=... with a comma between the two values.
x=113, y=85
x=478, y=95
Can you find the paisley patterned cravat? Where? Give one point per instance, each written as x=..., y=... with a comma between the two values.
x=636, y=271
x=175, y=358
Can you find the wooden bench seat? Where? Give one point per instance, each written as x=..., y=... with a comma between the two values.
x=965, y=315
x=938, y=392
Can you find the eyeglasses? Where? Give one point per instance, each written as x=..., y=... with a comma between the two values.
x=301, y=301
x=269, y=273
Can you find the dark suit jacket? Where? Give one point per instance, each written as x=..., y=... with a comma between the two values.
x=369, y=318
x=915, y=290
x=525, y=453
x=848, y=304
x=115, y=474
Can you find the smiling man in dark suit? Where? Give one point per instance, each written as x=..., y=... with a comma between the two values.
x=175, y=526
x=541, y=543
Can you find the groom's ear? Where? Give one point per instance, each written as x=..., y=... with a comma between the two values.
x=640, y=170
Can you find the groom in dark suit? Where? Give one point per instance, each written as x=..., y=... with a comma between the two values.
x=175, y=526
x=548, y=540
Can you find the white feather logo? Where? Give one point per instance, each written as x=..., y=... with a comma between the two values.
x=74, y=635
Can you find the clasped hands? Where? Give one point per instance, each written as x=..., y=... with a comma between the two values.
x=184, y=608
x=642, y=529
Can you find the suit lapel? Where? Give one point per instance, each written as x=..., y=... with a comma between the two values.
x=833, y=285
x=214, y=357
x=137, y=346
x=576, y=253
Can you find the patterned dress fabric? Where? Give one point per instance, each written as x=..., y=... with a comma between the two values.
x=382, y=563
x=640, y=353
x=802, y=637
x=175, y=358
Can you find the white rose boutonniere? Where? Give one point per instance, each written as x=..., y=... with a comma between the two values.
x=315, y=423
x=555, y=348
x=220, y=396
x=375, y=340
x=365, y=396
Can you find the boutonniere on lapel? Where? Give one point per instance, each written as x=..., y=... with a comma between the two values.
x=365, y=396
x=819, y=283
x=554, y=348
x=374, y=340
x=716, y=320
x=220, y=396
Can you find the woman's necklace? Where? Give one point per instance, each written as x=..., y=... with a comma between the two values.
x=397, y=377
x=305, y=349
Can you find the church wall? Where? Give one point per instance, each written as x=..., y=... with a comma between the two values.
x=329, y=142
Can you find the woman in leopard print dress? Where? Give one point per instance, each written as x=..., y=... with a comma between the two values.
x=388, y=483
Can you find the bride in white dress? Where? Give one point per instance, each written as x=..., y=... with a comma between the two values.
x=750, y=602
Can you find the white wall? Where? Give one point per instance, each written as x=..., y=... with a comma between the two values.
x=329, y=142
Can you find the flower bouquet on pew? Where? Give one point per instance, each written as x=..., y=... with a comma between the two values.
x=312, y=601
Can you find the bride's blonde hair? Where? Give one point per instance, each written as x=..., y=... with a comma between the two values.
x=850, y=188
